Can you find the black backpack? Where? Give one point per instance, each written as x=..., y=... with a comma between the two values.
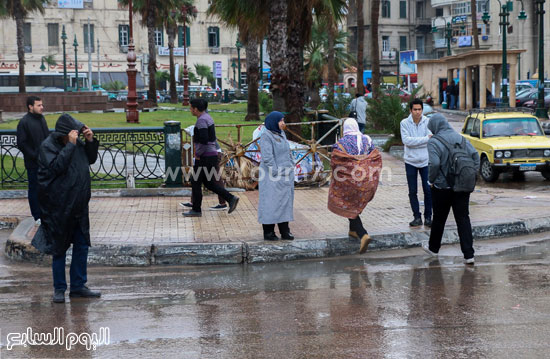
x=462, y=173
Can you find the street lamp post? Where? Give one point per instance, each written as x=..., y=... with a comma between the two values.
x=132, y=113
x=541, y=111
x=234, y=66
x=504, y=22
x=75, y=44
x=42, y=67
x=64, y=42
x=448, y=33
x=185, y=10
x=239, y=45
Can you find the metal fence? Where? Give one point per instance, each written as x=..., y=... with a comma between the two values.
x=125, y=154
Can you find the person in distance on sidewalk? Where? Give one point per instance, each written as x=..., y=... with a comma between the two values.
x=206, y=168
x=276, y=179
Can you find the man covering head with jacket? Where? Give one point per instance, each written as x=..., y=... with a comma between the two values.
x=64, y=192
x=443, y=195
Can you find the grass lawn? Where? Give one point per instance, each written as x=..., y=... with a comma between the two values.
x=154, y=119
x=239, y=107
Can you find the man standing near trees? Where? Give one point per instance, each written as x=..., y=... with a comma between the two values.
x=415, y=136
x=31, y=131
x=359, y=105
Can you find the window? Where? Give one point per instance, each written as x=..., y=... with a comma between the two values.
x=475, y=128
x=187, y=36
x=385, y=43
x=402, y=43
x=439, y=11
x=420, y=44
x=386, y=5
x=86, y=46
x=214, y=36
x=402, y=9
x=53, y=34
x=420, y=10
x=461, y=8
x=159, y=36
x=469, y=126
x=27, y=44
x=123, y=35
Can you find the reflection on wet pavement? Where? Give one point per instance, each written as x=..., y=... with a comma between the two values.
x=393, y=304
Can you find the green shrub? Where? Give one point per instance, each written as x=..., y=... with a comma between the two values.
x=339, y=106
x=114, y=86
x=266, y=102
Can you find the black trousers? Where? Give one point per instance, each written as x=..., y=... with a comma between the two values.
x=32, y=174
x=355, y=225
x=443, y=200
x=205, y=172
x=283, y=228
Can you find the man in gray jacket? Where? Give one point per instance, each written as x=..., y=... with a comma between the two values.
x=444, y=198
x=415, y=136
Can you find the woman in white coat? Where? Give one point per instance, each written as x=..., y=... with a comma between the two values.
x=276, y=179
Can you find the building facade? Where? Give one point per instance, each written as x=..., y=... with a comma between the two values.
x=208, y=41
x=403, y=25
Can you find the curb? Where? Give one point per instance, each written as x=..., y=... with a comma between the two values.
x=453, y=112
x=18, y=246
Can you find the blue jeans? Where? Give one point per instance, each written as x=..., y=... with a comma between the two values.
x=361, y=127
x=453, y=102
x=79, y=262
x=412, y=181
x=32, y=175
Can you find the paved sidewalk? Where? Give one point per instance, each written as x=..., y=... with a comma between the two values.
x=158, y=221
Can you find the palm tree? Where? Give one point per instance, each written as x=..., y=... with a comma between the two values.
x=277, y=48
x=316, y=57
x=202, y=72
x=250, y=18
x=18, y=10
x=360, y=46
x=375, y=49
x=50, y=61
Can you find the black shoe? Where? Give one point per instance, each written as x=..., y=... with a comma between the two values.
x=417, y=222
x=84, y=292
x=192, y=213
x=427, y=222
x=186, y=204
x=233, y=204
x=271, y=236
x=58, y=296
x=287, y=236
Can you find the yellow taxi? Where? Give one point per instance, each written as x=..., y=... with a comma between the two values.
x=508, y=140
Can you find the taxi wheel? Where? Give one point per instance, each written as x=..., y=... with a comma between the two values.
x=546, y=174
x=487, y=171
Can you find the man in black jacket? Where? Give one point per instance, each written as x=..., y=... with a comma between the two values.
x=31, y=131
x=64, y=192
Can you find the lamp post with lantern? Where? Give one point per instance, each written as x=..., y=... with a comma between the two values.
x=132, y=113
x=186, y=10
x=448, y=33
x=541, y=110
x=238, y=45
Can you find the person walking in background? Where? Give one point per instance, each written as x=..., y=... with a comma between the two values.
x=64, y=193
x=276, y=179
x=31, y=131
x=451, y=186
x=356, y=165
x=359, y=106
x=456, y=92
x=415, y=136
x=452, y=96
x=206, y=168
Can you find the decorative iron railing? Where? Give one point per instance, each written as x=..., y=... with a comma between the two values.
x=124, y=154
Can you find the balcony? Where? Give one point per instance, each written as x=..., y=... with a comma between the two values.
x=214, y=50
x=388, y=55
x=438, y=3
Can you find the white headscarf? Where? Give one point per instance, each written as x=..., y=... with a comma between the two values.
x=351, y=128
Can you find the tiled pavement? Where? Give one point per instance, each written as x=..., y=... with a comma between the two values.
x=159, y=220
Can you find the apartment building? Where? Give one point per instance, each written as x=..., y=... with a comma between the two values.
x=403, y=25
x=207, y=40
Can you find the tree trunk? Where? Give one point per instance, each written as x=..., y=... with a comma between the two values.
x=173, y=91
x=252, y=79
x=152, y=67
x=19, y=22
x=294, y=96
x=375, y=48
x=332, y=76
x=360, y=47
x=276, y=46
x=474, y=24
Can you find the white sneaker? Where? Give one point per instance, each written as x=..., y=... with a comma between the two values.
x=427, y=250
x=469, y=261
x=38, y=222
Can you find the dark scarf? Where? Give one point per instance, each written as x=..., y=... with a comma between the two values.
x=272, y=121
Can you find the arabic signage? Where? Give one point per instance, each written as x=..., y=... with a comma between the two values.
x=217, y=69
x=165, y=51
x=70, y=4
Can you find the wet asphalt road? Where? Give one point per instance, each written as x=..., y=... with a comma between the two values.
x=393, y=304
